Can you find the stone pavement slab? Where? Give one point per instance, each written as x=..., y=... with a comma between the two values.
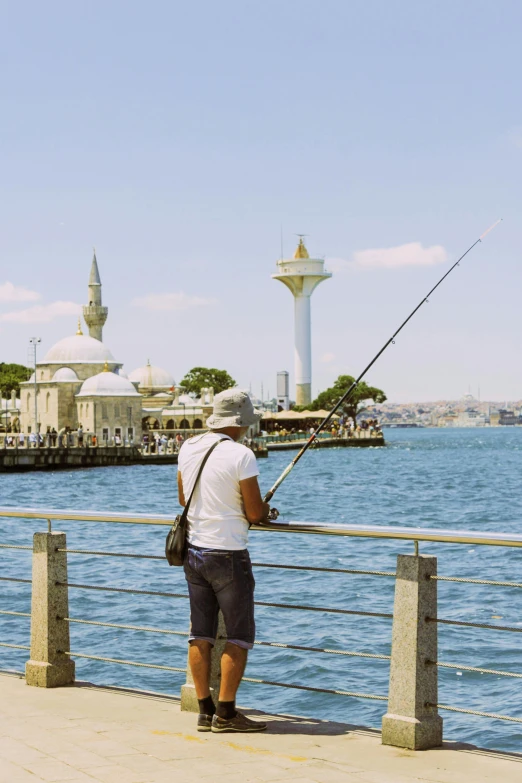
x=85, y=733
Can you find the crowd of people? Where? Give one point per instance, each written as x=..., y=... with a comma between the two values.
x=338, y=429
x=151, y=442
x=154, y=442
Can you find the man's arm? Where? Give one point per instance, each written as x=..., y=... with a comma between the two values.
x=181, y=495
x=255, y=509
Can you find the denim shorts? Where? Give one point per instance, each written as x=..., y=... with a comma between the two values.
x=220, y=579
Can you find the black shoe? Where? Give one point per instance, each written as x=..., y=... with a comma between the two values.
x=204, y=722
x=238, y=723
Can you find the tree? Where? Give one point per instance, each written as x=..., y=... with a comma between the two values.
x=11, y=375
x=204, y=377
x=356, y=402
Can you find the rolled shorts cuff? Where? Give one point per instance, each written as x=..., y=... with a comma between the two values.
x=202, y=639
x=241, y=643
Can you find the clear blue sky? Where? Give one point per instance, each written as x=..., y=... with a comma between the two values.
x=178, y=137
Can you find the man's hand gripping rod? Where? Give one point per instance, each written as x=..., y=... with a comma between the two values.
x=269, y=495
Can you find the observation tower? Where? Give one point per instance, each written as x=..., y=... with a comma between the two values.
x=302, y=274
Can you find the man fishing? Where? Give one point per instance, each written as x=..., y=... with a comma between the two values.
x=227, y=500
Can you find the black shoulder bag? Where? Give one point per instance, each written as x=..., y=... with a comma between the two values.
x=176, y=543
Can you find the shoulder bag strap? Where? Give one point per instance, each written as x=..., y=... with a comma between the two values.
x=200, y=471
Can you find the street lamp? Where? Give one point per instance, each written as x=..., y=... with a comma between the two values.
x=5, y=420
x=34, y=342
x=184, y=422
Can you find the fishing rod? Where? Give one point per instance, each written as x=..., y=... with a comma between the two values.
x=348, y=393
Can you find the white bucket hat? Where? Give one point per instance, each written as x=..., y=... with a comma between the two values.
x=232, y=408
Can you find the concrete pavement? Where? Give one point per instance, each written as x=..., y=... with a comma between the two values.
x=87, y=733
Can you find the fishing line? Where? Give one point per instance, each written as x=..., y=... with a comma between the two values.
x=346, y=396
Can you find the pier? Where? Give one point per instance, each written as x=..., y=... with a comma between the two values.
x=90, y=733
x=357, y=440
x=13, y=460
x=50, y=458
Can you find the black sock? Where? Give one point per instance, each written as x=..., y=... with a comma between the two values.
x=226, y=710
x=206, y=706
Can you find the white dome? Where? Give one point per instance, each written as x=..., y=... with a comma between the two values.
x=152, y=377
x=65, y=374
x=79, y=349
x=107, y=384
x=122, y=374
x=185, y=399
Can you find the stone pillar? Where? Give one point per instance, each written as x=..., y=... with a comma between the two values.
x=48, y=667
x=189, y=700
x=409, y=723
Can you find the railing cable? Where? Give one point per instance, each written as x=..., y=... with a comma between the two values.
x=255, y=680
x=110, y=554
x=476, y=581
x=474, y=625
x=353, y=694
x=126, y=663
x=15, y=646
x=255, y=565
x=12, y=579
x=474, y=712
x=473, y=669
x=15, y=546
x=16, y=614
x=281, y=645
x=257, y=603
x=144, y=628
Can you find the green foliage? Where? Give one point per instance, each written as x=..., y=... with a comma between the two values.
x=11, y=375
x=356, y=402
x=203, y=377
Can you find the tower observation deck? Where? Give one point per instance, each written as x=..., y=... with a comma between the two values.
x=302, y=274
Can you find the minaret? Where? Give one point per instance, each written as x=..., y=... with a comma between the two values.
x=302, y=275
x=94, y=314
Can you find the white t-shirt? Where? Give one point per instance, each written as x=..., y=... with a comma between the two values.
x=216, y=515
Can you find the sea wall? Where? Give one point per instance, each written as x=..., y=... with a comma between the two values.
x=21, y=460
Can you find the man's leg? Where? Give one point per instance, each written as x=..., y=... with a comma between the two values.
x=199, y=659
x=233, y=663
x=236, y=601
x=203, y=621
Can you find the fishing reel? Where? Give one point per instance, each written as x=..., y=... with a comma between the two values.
x=273, y=514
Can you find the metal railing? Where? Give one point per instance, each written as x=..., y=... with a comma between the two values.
x=415, y=535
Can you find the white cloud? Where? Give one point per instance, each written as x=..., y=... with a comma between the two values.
x=41, y=314
x=411, y=254
x=327, y=357
x=14, y=293
x=173, y=301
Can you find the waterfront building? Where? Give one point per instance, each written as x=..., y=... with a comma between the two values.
x=283, y=391
x=471, y=418
x=79, y=382
x=110, y=406
x=301, y=275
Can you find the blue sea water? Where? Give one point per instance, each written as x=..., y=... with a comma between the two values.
x=463, y=479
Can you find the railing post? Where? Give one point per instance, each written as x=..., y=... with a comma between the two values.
x=48, y=666
x=189, y=700
x=409, y=723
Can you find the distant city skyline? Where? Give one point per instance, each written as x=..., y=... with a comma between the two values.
x=182, y=141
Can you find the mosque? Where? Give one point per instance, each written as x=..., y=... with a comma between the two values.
x=79, y=382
